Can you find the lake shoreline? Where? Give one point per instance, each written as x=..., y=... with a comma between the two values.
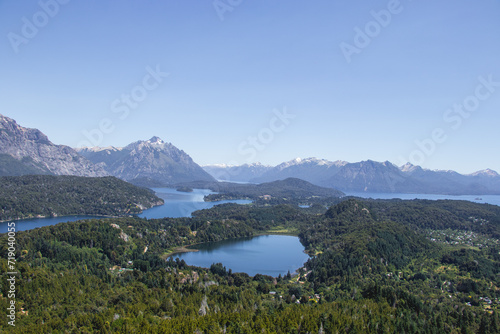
x=185, y=249
x=273, y=255
x=56, y=216
x=180, y=250
x=157, y=204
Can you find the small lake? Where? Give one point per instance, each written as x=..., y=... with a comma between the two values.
x=490, y=199
x=267, y=254
x=177, y=204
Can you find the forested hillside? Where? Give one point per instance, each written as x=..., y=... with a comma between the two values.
x=377, y=267
x=291, y=191
x=47, y=195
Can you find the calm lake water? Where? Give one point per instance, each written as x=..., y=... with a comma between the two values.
x=182, y=204
x=29, y=224
x=177, y=204
x=267, y=254
x=490, y=199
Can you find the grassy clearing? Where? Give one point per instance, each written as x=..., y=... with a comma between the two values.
x=283, y=230
x=177, y=250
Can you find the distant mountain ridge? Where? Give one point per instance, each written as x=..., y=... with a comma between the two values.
x=243, y=173
x=150, y=163
x=379, y=177
x=311, y=169
x=154, y=163
x=29, y=151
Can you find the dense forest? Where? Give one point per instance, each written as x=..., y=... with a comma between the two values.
x=48, y=195
x=376, y=267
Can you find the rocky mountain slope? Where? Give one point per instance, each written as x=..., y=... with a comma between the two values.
x=151, y=162
x=29, y=151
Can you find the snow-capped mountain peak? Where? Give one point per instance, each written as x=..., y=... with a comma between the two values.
x=485, y=172
x=156, y=141
x=310, y=161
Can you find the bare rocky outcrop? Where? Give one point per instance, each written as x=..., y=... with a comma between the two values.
x=31, y=148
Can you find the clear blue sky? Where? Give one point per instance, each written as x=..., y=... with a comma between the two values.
x=353, y=96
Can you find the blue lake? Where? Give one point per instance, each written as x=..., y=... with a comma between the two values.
x=177, y=204
x=490, y=199
x=29, y=224
x=267, y=254
x=182, y=204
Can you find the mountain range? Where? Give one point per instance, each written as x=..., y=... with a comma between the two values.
x=155, y=163
x=368, y=176
x=149, y=163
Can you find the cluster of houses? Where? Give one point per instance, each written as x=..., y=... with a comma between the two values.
x=470, y=238
x=119, y=269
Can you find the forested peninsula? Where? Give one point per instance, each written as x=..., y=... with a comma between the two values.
x=32, y=196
